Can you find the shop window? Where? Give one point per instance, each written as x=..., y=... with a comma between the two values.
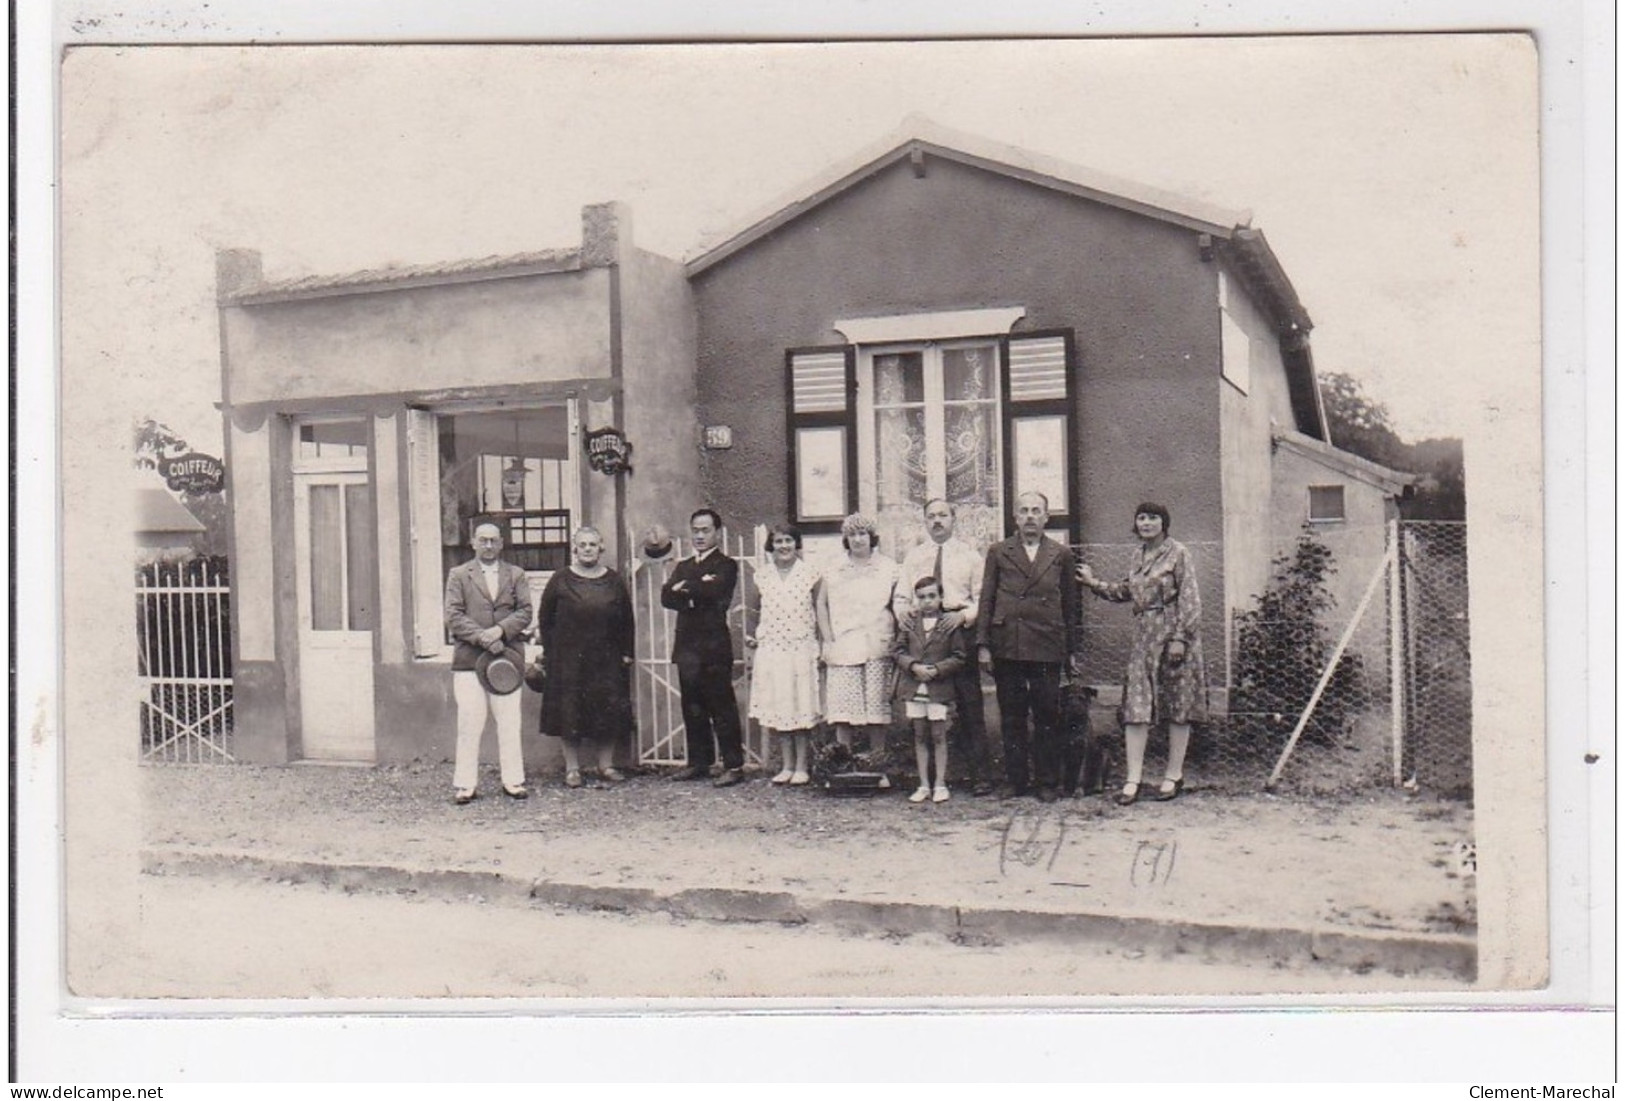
x=512, y=467
x=1326, y=504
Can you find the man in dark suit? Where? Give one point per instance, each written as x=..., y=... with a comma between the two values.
x=487, y=609
x=1025, y=629
x=699, y=590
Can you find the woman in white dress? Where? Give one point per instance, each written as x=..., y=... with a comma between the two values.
x=856, y=623
x=783, y=653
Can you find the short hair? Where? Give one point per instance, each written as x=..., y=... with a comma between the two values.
x=584, y=529
x=953, y=509
x=502, y=533
x=716, y=517
x=859, y=522
x=781, y=528
x=1151, y=508
x=1033, y=493
x=927, y=582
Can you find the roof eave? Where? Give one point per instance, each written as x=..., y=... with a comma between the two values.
x=919, y=136
x=1390, y=481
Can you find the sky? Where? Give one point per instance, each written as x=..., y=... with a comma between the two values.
x=1396, y=178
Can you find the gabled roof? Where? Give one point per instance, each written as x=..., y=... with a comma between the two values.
x=919, y=135
x=1346, y=463
x=1230, y=231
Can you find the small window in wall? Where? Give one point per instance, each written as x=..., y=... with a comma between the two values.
x=1326, y=504
x=1235, y=348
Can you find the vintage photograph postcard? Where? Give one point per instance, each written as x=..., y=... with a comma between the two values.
x=901, y=520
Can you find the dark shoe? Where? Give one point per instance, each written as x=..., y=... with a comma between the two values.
x=728, y=778
x=1169, y=794
x=464, y=797
x=1010, y=791
x=1046, y=795
x=1128, y=798
x=520, y=792
x=692, y=772
x=612, y=775
x=981, y=788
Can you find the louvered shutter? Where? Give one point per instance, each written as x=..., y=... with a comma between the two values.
x=1041, y=422
x=821, y=436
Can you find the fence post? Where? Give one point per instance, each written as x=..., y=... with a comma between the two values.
x=1331, y=667
x=1396, y=653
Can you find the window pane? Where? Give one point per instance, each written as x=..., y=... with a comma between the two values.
x=512, y=467
x=968, y=374
x=901, y=488
x=899, y=379
x=326, y=560
x=359, y=556
x=333, y=439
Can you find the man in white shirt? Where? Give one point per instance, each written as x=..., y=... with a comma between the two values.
x=957, y=567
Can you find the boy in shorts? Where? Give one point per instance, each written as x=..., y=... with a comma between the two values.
x=928, y=655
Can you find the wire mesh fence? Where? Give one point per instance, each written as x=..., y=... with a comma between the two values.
x=1437, y=657
x=1336, y=677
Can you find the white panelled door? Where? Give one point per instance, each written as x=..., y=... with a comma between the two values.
x=337, y=583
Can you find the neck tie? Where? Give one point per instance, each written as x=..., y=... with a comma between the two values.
x=936, y=571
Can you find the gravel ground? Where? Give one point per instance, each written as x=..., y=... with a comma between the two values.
x=1380, y=861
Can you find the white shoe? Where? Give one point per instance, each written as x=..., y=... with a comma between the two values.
x=798, y=779
x=921, y=794
x=783, y=777
x=940, y=795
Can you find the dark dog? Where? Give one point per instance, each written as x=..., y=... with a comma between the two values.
x=1084, y=772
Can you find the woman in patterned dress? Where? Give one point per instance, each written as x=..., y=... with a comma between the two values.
x=856, y=624
x=1165, y=678
x=783, y=653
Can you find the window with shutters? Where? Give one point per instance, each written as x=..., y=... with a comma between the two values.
x=884, y=427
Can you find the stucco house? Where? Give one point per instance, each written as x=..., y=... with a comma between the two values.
x=937, y=316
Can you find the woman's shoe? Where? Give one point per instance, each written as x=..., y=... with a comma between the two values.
x=799, y=779
x=1129, y=795
x=940, y=794
x=612, y=775
x=1166, y=794
x=572, y=779
x=783, y=777
x=518, y=792
x=921, y=794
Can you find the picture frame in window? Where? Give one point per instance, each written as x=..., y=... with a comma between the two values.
x=821, y=473
x=1038, y=450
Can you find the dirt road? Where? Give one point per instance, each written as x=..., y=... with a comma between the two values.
x=204, y=937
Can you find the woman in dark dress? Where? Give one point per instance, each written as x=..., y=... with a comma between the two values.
x=585, y=625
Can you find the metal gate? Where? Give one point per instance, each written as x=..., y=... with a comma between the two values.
x=183, y=641
x=660, y=732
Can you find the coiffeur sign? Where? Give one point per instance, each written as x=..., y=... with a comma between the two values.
x=193, y=473
x=608, y=451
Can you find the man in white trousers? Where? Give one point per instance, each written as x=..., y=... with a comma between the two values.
x=487, y=610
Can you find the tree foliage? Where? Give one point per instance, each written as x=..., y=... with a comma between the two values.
x=155, y=441
x=1362, y=425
